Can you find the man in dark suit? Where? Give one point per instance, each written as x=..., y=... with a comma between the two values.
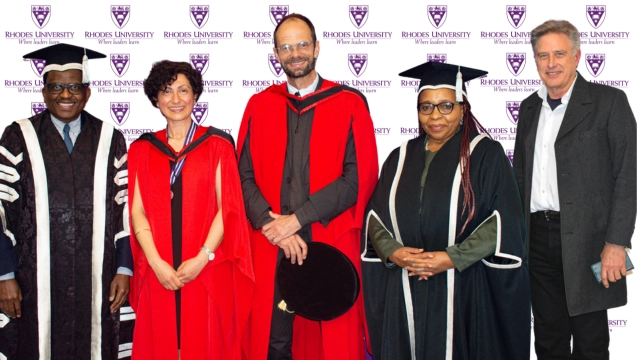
x=575, y=162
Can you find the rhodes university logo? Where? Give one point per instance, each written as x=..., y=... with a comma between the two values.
x=358, y=14
x=37, y=65
x=595, y=63
x=119, y=64
x=509, y=153
x=277, y=13
x=199, y=15
x=120, y=15
x=199, y=112
x=513, y=111
x=441, y=58
x=437, y=15
x=596, y=15
x=200, y=62
x=358, y=63
x=274, y=65
x=38, y=107
x=119, y=112
x=516, y=15
x=40, y=14
x=515, y=62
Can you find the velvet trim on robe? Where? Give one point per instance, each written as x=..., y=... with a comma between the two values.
x=336, y=109
x=482, y=312
x=215, y=306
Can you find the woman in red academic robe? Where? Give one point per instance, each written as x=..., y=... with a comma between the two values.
x=193, y=280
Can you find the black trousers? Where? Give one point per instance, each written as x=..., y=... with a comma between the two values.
x=281, y=333
x=553, y=327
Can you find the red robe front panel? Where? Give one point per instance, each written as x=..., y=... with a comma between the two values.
x=266, y=119
x=215, y=306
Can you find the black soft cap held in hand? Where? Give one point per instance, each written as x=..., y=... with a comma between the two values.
x=324, y=287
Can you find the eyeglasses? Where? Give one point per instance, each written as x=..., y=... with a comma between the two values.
x=55, y=88
x=444, y=108
x=302, y=46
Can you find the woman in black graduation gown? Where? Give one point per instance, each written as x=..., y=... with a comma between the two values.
x=444, y=268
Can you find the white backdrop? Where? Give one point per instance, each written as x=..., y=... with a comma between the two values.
x=231, y=43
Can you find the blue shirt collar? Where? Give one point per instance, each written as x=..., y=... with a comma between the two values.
x=75, y=125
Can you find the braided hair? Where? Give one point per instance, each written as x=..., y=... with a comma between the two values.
x=469, y=124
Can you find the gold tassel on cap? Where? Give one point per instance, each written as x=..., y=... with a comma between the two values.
x=283, y=306
x=85, y=68
x=459, y=86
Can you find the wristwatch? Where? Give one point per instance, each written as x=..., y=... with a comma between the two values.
x=210, y=254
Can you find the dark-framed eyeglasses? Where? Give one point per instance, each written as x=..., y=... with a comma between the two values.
x=303, y=46
x=444, y=108
x=56, y=88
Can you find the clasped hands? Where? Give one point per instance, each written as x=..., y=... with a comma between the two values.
x=175, y=279
x=282, y=232
x=421, y=263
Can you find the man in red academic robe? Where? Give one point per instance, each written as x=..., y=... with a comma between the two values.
x=308, y=165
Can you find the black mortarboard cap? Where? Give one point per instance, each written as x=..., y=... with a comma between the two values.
x=324, y=287
x=63, y=57
x=437, y=75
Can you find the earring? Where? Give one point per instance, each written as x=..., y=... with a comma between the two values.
x=461, y=121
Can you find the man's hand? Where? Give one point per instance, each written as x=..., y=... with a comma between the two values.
x=10, y=298
x=119, y=291
x=613, y=264
x=294, y=248
x=190, y=269
x=281, y=227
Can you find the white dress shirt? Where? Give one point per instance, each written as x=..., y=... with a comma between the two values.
x=308, y=90
x=544, y=188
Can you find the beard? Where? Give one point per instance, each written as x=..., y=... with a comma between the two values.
x=298, y=73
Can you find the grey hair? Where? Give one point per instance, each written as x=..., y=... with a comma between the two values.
x=557, y=27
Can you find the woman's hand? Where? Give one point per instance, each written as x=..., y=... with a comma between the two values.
x=166, y=274
x=190, y=269
x=428, y=264
x=399, y=256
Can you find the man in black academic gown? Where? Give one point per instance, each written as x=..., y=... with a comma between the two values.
x=65, y=259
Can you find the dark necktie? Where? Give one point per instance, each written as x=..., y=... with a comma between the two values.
x=297, y=93
x=67, y=138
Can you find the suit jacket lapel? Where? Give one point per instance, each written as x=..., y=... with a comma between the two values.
x=532, y=112
x=577, y=109
x=531, y=115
